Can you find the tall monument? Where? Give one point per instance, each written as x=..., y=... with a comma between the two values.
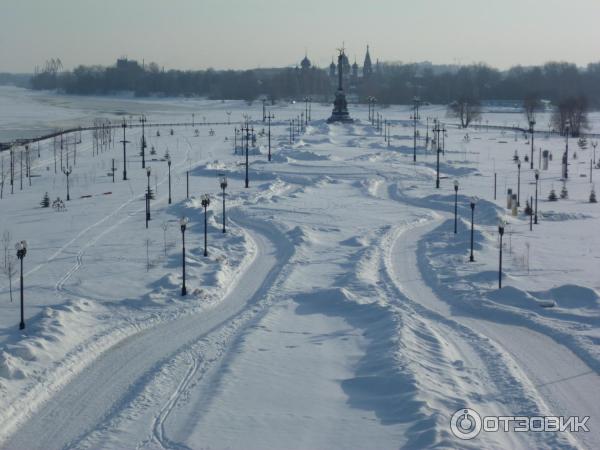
x=340, y=105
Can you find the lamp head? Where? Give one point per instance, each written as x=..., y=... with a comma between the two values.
x=456, y=185
x=473, y=201
x=537, y=174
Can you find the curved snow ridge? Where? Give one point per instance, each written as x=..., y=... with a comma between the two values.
x=568, y=314
x=197, y=365
x=501, y=389
x=410, y=373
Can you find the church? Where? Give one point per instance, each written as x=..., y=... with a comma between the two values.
x=354, y=77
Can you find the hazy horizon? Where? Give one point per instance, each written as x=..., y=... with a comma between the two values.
x=238, y=34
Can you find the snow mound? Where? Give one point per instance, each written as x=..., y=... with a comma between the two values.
x=572, y=296
x=355, y=241
x=553, y=216
x=9, y=367
x=512, y=296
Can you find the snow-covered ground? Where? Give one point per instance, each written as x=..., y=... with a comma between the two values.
x=339, y=310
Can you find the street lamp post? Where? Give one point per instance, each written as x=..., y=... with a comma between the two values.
x=235, y=141
x=143, y=121
x=455, y=206
x=305, y=111
x=537, y=177
x=223, y=187
x=531, y=214
x=148, y=171
x=519, y=183
x=205, y=203
x=183, y=223
x=169, y=164
x=566, y=153
x=415, y=118
x=67, y=172
x=270, y=116
x=531, y=125
x=473, y=201
x=437, y=140
x=501, y=225
x=247, y=139
x=21, y=248
x=125, y=142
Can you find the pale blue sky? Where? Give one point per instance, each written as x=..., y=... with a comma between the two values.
x=197, y=34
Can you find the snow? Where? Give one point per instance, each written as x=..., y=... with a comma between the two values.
x=339, y=310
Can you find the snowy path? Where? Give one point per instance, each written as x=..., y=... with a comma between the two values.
x=121, y=372
x=563, y=380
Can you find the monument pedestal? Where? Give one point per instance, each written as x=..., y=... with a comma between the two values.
x=340, y=109
x=340, y=105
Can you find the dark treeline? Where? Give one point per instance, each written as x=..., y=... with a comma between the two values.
x=390, y=83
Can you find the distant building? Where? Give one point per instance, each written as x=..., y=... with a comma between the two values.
x=351, y=73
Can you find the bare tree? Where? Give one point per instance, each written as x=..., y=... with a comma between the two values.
x=165, y=227
x=531, y=105
x=9, y=263
x=466, y=109
x=2, y=177
x=571, y=112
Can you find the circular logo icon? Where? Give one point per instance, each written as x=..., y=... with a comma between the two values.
x=465, y=423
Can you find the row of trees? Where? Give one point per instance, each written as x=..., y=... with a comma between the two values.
x=390, y=83
x=147, y=80
x=569, y=114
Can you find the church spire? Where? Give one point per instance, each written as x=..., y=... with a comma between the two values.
x=367, y=66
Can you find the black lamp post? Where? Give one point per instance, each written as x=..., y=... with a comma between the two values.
x=437, y=176
x=519, y=183
x=501, y=225
x=143, y=121
x=455, y=206
x=67, y=172
x=169, y=164
x=183, y=222
x=247, y=181
x=205, y=203
x=531, y=125
x=473, y=201
x=21, y=248
x=537, y=177
x=566, y=153
x=305, y=111
x=125, y=142
x=148, y=171
x=223, y=187
x=415, y=117
x=235, y=141
x=270, y=116
x=309, y=109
